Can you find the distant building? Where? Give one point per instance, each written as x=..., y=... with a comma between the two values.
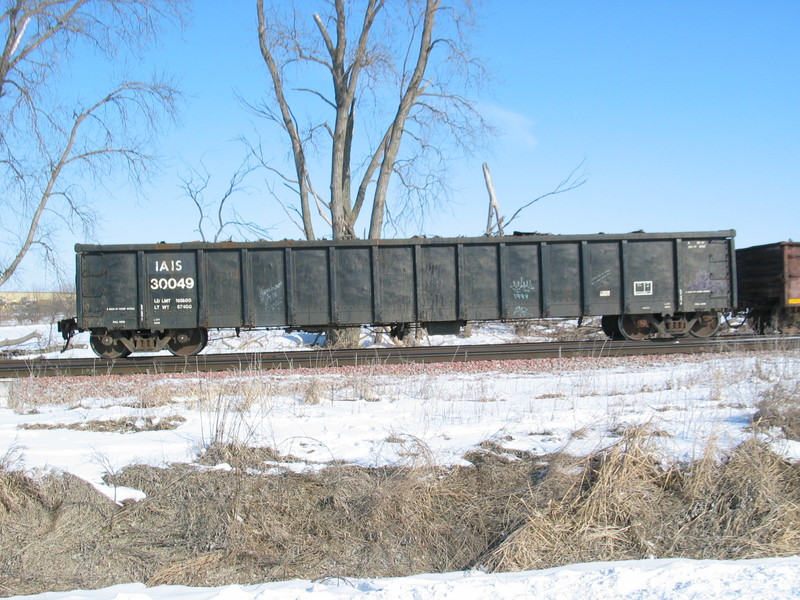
x=33, y=305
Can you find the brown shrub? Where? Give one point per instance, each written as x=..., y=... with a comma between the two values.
x=343, y=521
x=48, y=533
x=619, y=504
x=608, y=505
x=510, y=510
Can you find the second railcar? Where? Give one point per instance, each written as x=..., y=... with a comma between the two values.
x=151, y=297
x=769, y=286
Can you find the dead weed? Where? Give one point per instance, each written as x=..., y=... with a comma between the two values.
x=620, y=504
x=510, y=510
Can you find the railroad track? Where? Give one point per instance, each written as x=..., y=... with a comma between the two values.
x=370, y=356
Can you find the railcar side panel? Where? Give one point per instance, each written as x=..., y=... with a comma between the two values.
x=108, y=290
x=353, y=289
x=648, y=275
x=436, y=283
x=706, y=275
x=602, y=279
x=268, y=287
x=521, y=281
x=562, y=276
x=222, y=288
x=309, y=276
x=396, y=293
x=479, y=282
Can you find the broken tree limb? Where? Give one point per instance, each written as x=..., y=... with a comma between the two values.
x=494, y=208
x=22, y=340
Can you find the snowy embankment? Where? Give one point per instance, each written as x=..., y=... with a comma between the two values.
x=412, y=415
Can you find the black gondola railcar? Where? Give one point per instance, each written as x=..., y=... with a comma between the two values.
x=151, y=297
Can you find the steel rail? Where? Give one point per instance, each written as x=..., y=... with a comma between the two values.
x=321, y=358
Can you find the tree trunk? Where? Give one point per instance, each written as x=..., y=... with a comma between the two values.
x=343, y=337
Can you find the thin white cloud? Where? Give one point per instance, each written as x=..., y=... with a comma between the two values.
x=513, y=126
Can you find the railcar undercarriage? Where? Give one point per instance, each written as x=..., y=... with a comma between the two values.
x=112, y=344
x=643, y=326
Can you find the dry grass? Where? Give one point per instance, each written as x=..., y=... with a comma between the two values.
x=49, y=533
x=243, y=457
x=600, y=506
x=247, y=390
x=343, y=521
x=620, y=504
x=314, y=392
x=120, y=425
x=210, y=527
x=779, y=407
x=510, y=510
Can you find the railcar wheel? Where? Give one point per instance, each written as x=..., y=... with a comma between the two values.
x=610, y=326
x=188, y=342
x=635, y=327
x=706, y=325
x=108, y=345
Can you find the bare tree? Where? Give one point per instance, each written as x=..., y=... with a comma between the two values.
x=51, y=144
x=399, y=65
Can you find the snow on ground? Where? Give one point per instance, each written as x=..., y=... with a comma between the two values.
x=384, y=415
x=770, y=579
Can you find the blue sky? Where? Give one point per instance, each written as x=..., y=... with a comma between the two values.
x=687, y=115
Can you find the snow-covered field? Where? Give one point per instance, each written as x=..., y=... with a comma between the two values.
x=381, y=415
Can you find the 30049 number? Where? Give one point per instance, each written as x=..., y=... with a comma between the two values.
x=172, y=283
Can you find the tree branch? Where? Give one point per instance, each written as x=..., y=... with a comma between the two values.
x=569, y=183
